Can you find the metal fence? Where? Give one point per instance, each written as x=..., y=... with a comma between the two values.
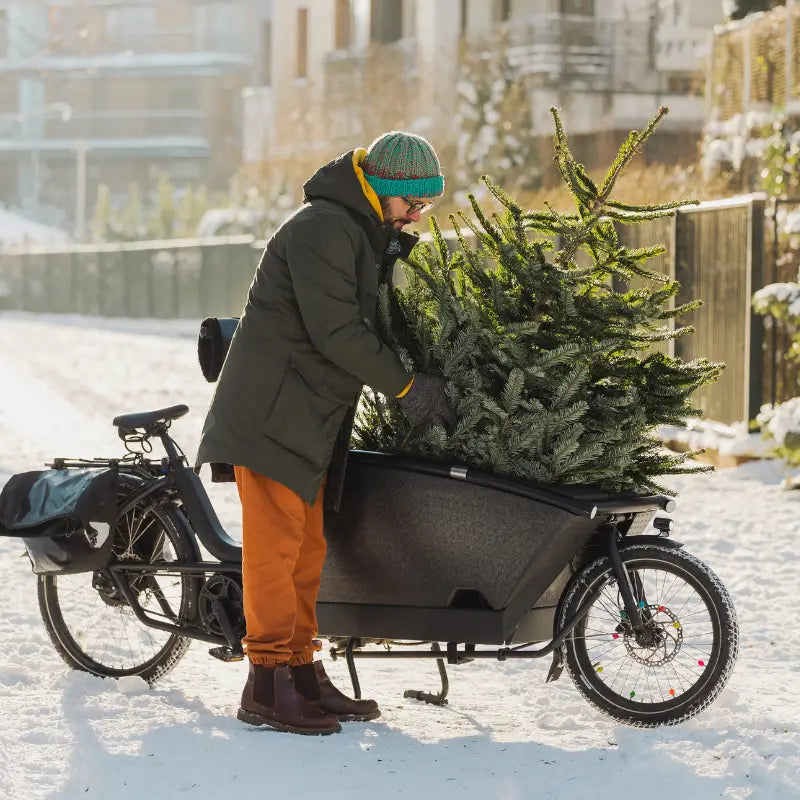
x=165, y=279
x=715, y=250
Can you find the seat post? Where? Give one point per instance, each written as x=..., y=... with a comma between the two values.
x=169, y=446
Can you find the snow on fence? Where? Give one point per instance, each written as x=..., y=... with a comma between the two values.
x=715, y=250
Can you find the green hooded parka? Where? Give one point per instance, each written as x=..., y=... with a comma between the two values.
x=306, y=342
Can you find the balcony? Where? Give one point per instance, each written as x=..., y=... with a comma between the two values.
x=196, y=63
x=105, y=125
x=561, y=50
x=134, y=48
x=577, y=53
x=681, y=49
x=136, y=41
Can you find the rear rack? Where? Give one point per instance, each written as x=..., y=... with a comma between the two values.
x=74, y=463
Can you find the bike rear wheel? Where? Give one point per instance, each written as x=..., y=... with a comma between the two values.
x=92, y=626
x=683, y=660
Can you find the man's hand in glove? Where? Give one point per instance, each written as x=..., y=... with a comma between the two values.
x=425, y=401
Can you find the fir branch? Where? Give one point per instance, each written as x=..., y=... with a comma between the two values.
x=569, y=167
x=632, y=219
x=494, y=235
x=565, y=390
x=628, y=150
x=674, y=205
x=682, y=309
x=503, y=197
x=512, y=392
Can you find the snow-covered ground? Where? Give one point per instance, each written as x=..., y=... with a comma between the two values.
x=505, y=734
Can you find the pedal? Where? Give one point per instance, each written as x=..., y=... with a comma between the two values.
x=226, y=653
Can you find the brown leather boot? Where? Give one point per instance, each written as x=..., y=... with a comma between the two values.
x=270, y=698
x=314, y=684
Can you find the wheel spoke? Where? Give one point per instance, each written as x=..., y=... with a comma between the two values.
x=96, y=625
x=665, y=663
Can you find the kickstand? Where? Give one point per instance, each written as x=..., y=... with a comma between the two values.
x=556, y=667
x=439, y=699
x=351, y=667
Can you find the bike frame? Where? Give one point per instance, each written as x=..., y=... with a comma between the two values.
x=179, y=484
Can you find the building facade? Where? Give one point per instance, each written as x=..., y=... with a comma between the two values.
x=608, y=66
x=115, y=91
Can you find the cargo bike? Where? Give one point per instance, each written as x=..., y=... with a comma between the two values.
x=464, y=564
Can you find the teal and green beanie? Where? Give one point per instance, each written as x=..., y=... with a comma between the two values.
x=400, y=164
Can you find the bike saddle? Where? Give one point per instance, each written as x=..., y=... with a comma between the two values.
x=144, y=419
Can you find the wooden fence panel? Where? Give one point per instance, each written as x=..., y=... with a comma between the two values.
x=719, y=259
x=647, y=234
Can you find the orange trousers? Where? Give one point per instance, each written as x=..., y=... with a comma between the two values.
x=283, y=549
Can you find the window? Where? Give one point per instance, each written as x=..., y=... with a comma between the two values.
x=3, y=33
x=302, y=43
x=9, y=101
x=342, y=23
x=580, y=8
x=266, y=53
x=502, y=10
x=680, y=84
x=386, y=21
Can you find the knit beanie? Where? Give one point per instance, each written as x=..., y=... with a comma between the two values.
x=400, y=164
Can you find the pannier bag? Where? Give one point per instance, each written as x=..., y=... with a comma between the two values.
x=64, y=517
x=213, y=343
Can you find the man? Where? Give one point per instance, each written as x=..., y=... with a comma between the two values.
x=283, y=409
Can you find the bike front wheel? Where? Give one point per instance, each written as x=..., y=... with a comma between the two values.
x=681, y=661
x=93, y=627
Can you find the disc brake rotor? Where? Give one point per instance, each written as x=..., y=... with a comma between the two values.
x=667, y=633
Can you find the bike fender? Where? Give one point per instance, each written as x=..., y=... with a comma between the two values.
x=649, y=539
x=183, y=522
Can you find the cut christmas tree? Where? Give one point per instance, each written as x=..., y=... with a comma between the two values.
x=551, y=361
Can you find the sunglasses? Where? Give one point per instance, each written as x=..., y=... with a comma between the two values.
x=416, y=205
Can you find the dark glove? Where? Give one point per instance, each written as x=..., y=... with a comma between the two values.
x=425, y=402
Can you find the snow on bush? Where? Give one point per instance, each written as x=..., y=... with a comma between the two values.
x=782, y=300
x=781, y=423
x=791, y=223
